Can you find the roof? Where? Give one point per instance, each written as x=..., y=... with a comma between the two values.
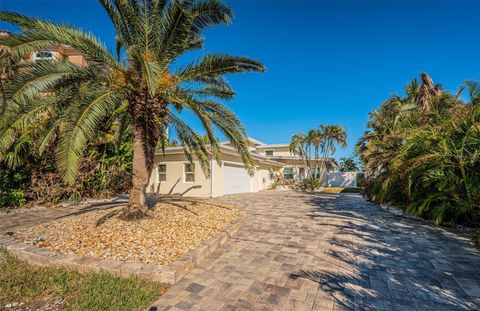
x=331, y=161
x=273, y=146
x=251, y=141
x=223, y=149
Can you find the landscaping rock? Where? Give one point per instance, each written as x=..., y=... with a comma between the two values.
x=176, y=228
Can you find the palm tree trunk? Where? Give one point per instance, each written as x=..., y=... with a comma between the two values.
x=141, y=170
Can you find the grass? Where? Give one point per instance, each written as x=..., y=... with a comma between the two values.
x=36, y=286
x=341, y=190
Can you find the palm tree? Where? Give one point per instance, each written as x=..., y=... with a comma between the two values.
x=423, y=153
x=428, y=90
x=298, y=145
x=332, y=135
x=315, y=138
x=348, y=164
x=140, y=85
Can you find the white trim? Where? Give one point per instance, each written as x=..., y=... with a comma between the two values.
x=37, y=58
x=272, y=146
x=185, y=175
x=223, y=150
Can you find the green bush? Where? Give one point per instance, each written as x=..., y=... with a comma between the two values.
x=14, y=197
x=11, y=192
x=310, y=183
x=426, y=159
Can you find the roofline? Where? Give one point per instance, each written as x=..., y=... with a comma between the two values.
x=329, y=160
x=251, y=140
x=223, y=149
x=273, y=146
x=255, y=141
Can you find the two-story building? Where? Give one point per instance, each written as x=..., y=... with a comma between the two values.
x=53, y=52
x=175, y=175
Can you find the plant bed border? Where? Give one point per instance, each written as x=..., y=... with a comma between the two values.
x=168, y=274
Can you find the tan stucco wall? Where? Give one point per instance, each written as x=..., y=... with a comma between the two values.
x=78, y=60
x=202, y=187
x=175, y=182
x=277, y=151
x=261, y=180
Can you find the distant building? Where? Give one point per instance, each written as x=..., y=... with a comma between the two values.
x=53, y=52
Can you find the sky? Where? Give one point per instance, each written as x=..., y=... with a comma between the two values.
x=328, y=62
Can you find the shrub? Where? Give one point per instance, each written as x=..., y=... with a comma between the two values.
x=11, y=192
x=310, y=183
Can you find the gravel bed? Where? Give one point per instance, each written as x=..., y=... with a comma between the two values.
x=175, y=228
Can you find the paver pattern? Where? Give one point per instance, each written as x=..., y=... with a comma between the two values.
x=301, y=251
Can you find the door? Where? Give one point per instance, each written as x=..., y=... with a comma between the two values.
x=235, y=179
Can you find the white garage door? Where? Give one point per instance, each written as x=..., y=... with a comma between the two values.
x=235, y=179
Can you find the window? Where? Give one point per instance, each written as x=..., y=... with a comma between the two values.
x=288, y=173
x=189, y=170
x=269, y=152
x=162, y=172
x=43, y=55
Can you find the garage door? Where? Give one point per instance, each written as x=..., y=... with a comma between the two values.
x=235, y=179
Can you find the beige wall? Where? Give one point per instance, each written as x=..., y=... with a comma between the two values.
x=202, y=187
x=77, y=59
x=175, y=183
x=277, y=151
x=261, y=180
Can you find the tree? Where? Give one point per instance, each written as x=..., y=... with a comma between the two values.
x=298, y=144
x=315, y=138
x=348, y=164
x=421, y=152
x=331, y=136
x=140, y=86
x=428, y=90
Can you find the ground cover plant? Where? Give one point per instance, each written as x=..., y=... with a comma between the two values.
x=60, y=288
x=422, y=152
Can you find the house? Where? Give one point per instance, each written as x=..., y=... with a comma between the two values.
x=59, y=52
x=53, y=52
x=174, y=174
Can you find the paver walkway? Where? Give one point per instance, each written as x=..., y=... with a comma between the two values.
x=301, y=251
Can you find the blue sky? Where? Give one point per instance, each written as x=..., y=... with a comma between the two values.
x=327, y=62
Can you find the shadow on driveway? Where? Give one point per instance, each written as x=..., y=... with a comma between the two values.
x=390, y=262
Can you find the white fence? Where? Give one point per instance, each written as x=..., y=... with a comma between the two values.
x=342, y=179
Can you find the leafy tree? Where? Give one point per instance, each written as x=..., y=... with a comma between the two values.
x=298, y=145
x=323, y=140
x=422, y=152
x=348, y=164
x=331, y=137
x=141, y=86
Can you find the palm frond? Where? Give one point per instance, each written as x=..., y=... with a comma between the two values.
x=80, y=127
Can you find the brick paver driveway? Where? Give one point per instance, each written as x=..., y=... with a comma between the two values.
x=302, y=251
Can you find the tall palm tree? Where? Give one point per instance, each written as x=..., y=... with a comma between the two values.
x=332, y=135
x=298, y=144
x=140, y=85
x=315, y=138
x=428, y=90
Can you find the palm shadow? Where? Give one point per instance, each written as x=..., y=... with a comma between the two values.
x=385, y=261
